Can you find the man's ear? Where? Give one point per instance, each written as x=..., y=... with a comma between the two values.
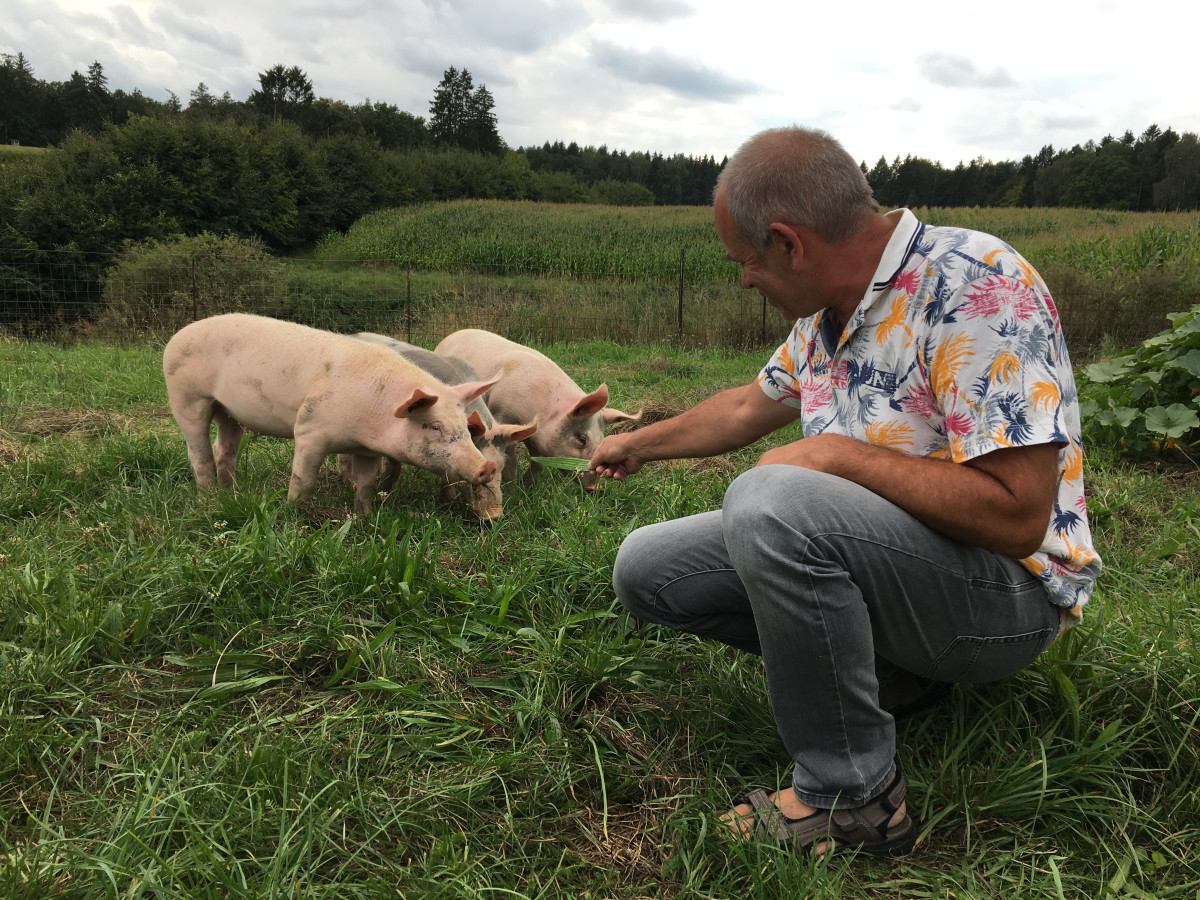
x=786, y=237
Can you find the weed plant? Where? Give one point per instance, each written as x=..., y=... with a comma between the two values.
x=230, y=696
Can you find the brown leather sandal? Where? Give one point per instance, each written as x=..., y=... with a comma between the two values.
x=863, y=828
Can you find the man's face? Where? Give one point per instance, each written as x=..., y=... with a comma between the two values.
x=771, y=274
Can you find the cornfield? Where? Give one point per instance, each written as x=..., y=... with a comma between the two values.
x=551, y=272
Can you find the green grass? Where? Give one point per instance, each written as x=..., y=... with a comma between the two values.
x=231, y=696
x=556, y=271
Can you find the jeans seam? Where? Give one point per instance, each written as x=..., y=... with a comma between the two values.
x=977, y=644
x=661, y=609
x=666, y=584
x=906, y=552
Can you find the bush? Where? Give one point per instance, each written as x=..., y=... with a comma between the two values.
x=621, y=193
x=158, y=286
x=1146, y=399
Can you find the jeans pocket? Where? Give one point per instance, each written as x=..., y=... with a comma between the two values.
x=979, y=659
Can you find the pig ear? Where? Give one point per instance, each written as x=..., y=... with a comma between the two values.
x=612, y=416
x=475, y=425
x=591, y=404
x=469, y=390
x=418, y=401
x=517, y=432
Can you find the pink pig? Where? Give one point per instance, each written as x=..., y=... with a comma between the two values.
x=330, y=392
x=493, y=442
x=531, y=385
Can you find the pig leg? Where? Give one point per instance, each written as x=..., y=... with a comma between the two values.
x=533, y=472
x=364, y=470
x=194, y=418
x=229, y=439
x=389, y=470
x=306, y=465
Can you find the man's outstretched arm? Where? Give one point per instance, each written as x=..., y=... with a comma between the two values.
x=726, y=421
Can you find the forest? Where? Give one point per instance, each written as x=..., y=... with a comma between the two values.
x=1158, y=169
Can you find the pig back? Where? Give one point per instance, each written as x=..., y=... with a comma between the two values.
x=264, y=370
x=531, y=384
x=446, y=369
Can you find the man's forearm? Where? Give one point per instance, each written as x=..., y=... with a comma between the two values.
x=1001, y=501
x=727, y=421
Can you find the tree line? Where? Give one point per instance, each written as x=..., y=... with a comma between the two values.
x=285, y=167
x=1158, y=170
x=462, y=117
x=1155, y=170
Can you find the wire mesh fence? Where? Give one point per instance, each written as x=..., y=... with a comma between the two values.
x=71, y=295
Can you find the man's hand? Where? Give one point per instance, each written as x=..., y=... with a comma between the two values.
x=616, y=456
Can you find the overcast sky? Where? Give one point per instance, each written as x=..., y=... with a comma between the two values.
x=946, y=81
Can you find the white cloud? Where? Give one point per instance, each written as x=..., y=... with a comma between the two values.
x=674, y=76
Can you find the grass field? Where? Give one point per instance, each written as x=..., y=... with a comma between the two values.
x=518, y=265
x=585, y=240
x=234, y=697
x=552, y=272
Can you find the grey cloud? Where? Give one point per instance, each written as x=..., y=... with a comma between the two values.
x=682, y=76
x=131, y=27
x=1068, y=120
x=198, y=32
x=953, y=71
x=651, y=10
x=516, y=26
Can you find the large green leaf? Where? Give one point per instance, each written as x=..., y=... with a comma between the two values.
x=1112, y=370
x=1173, y=421
x=1189, y=362
x=1118, y=415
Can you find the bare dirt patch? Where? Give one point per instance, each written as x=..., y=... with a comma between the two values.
x=31, y=425
x=1175, y=466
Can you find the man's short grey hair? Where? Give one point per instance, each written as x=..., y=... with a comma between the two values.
x=797, y=175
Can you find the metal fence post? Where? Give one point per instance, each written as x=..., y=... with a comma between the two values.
x=679, y=313
x=408, y=301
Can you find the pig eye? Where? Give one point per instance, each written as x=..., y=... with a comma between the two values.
x=581, y=440
x=434, y=426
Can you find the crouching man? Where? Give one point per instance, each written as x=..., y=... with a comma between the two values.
x=928, y=528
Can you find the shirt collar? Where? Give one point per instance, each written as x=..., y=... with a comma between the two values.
x=904, y=237
x=899, y=246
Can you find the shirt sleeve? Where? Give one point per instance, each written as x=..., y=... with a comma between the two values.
x=995, y=370
x=779, y=378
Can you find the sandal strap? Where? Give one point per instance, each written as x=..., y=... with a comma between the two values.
x=769, y=822
x=863, y=826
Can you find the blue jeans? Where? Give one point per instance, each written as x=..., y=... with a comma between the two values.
x=827, y=582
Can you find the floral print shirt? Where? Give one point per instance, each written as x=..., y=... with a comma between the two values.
x=956, y=350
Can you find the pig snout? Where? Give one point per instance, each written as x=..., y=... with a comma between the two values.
x=486, y=502
x=485, y=473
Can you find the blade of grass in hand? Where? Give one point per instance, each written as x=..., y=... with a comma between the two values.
x=561, y=462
